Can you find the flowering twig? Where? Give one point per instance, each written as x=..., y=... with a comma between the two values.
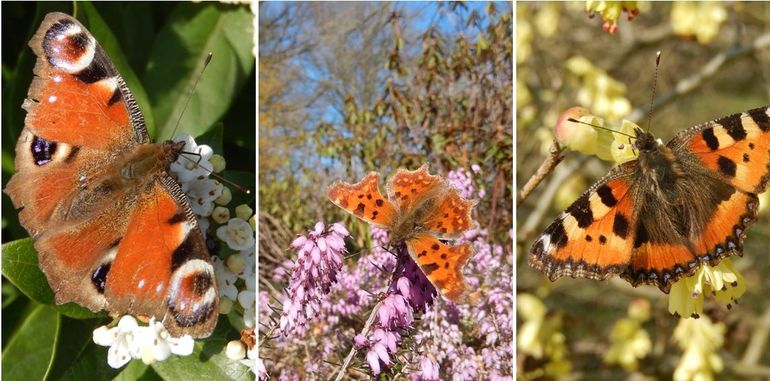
x=353, y=350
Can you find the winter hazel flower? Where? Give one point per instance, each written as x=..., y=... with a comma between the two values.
x=722, y=281
x=319, y=259
x=630, y=342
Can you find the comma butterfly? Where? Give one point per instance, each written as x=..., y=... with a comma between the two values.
x=655, y=219
x=421, y=210
x=112, y=228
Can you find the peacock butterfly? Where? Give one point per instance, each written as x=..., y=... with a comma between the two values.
x=113, y=230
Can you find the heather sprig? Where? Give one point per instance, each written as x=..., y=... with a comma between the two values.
x=319, y=259
x=377, y=313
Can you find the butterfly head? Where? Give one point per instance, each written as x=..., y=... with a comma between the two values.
x=645, y=141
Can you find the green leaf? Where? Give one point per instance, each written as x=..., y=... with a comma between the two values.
x=72, y=339
x=91, y=365
x=28, y=354
x=20, y=266
x=213, y=138
x=178, y=55
x=137, y=371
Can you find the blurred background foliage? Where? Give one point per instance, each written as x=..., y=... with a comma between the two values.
x=350, y=88
x=715, y=62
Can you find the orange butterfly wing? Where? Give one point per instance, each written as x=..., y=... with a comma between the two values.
x=442, y=264
x=736, y=147
x=593, y=237
x=410, y=188
x=364, y=200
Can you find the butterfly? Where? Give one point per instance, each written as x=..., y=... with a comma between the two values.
x=113, y=230
x=420, y=210
x=656, y=219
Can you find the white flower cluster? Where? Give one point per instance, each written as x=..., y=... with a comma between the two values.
x=150, y=343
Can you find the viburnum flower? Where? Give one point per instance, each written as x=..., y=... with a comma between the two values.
x=237, y=234
x=189, y=167
x=319, y=259
x=202, y=193
x=157, y=344
x=130, y=340
x=192, y=171
x=225, y=279
x=235, y=350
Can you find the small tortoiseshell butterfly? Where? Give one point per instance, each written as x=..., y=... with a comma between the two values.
x=113, y=230
x=655, y=219
x=420, y=210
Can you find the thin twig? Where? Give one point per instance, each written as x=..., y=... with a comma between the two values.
x=353, y=350
x=554, y=158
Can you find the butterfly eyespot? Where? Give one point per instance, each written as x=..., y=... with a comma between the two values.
x=42, y=150
x=99, y=277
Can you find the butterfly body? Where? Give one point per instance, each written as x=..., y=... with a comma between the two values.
x=113, y=230
x=419, y=211
x=655, y=219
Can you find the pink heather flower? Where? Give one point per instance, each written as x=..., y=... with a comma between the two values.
x=411, y=283
x=377, y=353
x=429, y=369
x=463, y=181
x=319, y=259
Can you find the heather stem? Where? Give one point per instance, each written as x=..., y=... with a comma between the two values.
x=365, y=332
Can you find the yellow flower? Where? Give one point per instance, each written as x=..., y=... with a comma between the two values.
x=591, y=137
x=699, y=339
x=701, y=20
x=610, y=12
x=599, y=92
x=539, y=336
x=722, y=281
x=547, y=19
x=630, y=342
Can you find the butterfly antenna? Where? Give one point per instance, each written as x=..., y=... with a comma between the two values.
x=206, y=62
x=573, y=120
x=213, y=174
x=654, y=86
